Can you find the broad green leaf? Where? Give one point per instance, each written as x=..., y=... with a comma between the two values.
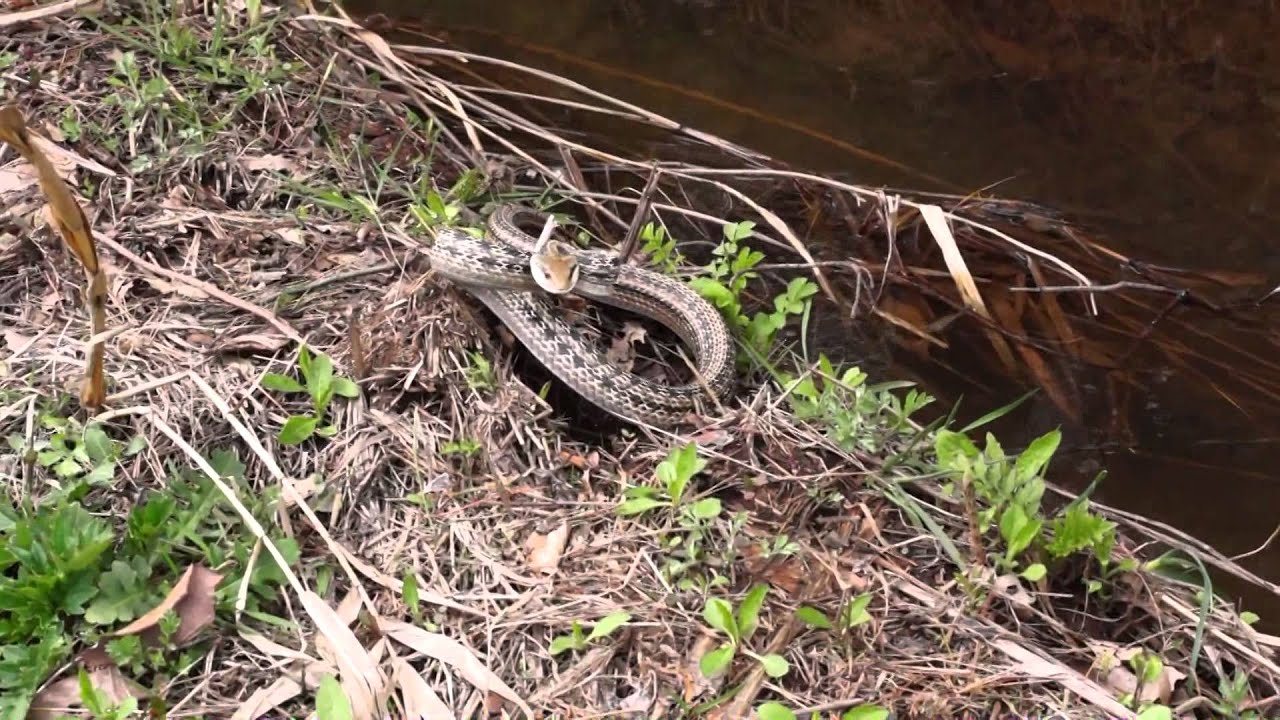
x=101, y=474
x=775, y=666
x=1156, y=712
x=345, y=387
x=331, y=701
x=856, y=612
x=409, y=590
x=96, y=443
x=749, y=611
x=1037, y=455
x=297, y=429
x=638, y=505
x=719, y=615
x=774, y=711
x=281, y=383
x=955, y=452
x=123, y=593
x=866, y=712
x=706, y=508
x=813, y=616
x=607, y=624
x=561, y=643
x=716, y=661
x=1012, y=521
x=1034, y=572
x=320, y=378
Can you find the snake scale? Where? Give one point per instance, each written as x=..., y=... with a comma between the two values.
x=497, y=271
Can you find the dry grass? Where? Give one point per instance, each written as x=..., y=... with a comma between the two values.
x=234, y=222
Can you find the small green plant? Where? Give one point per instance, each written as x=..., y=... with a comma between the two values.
x=738, y=628
x=1234, y=692
x=726, y=279
x=331, y=702
x=851, y=615
x=857, y=416
x=660, y=247
x=321, y=384
x=866, y=711
x=774, y=711
x=479, y=374
x=81, y=456
x=685, y=549
x=465, y=447
x=674, y=474
x=1011, y=495
x=99, y=704
x=576, y=640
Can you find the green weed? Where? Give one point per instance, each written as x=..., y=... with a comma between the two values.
x=576, y=640
x=321, y=385
x=738, y=628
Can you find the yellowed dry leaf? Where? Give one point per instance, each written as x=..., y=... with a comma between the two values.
x=285, y=688
x=545, y=550
x=253, y=341
x=170, y=288
x=622, y=350
x=191, y=598
x=15, y=340
x=16, y=178
x=359, y=675
x=268, y=162
x=420, y=701
x=274, y=649
x=454, y=653
x=349, y=608
x=63, y=695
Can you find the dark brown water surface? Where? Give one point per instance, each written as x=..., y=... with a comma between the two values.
x=1158, y=123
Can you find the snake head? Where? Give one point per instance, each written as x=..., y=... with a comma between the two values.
x=555, y=269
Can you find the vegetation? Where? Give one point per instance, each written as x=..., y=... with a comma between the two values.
x=335, y=539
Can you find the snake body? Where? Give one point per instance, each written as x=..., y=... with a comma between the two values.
x=498, y=274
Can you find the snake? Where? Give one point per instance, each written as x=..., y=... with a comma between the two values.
x=499, y=270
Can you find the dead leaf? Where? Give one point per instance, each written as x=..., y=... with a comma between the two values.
x=253, y=341
x=268, y=162
x=15, y=340
x=64, y=694
x=622, y=350
x=359, y=675
x=284, y=689
x=545, y=550
x=450, y=651
x=420, y=701
x=191, y=598
x=169, y=288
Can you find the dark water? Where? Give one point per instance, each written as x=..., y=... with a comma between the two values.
x=1158, y=123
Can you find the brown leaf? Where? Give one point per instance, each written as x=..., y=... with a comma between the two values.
x=357, y=672
x=253, y=341
x=191, y=598
x=169, y=288
x=622, y=350
x=447, y=650
x=285, y=688
x=268, y=162
x=64, y=694
x=545, y=550
x=15, y=340
x=420, y=701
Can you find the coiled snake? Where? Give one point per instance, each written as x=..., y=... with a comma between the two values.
x=498, y=274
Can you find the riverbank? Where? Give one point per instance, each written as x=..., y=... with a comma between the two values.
x=442, y=540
